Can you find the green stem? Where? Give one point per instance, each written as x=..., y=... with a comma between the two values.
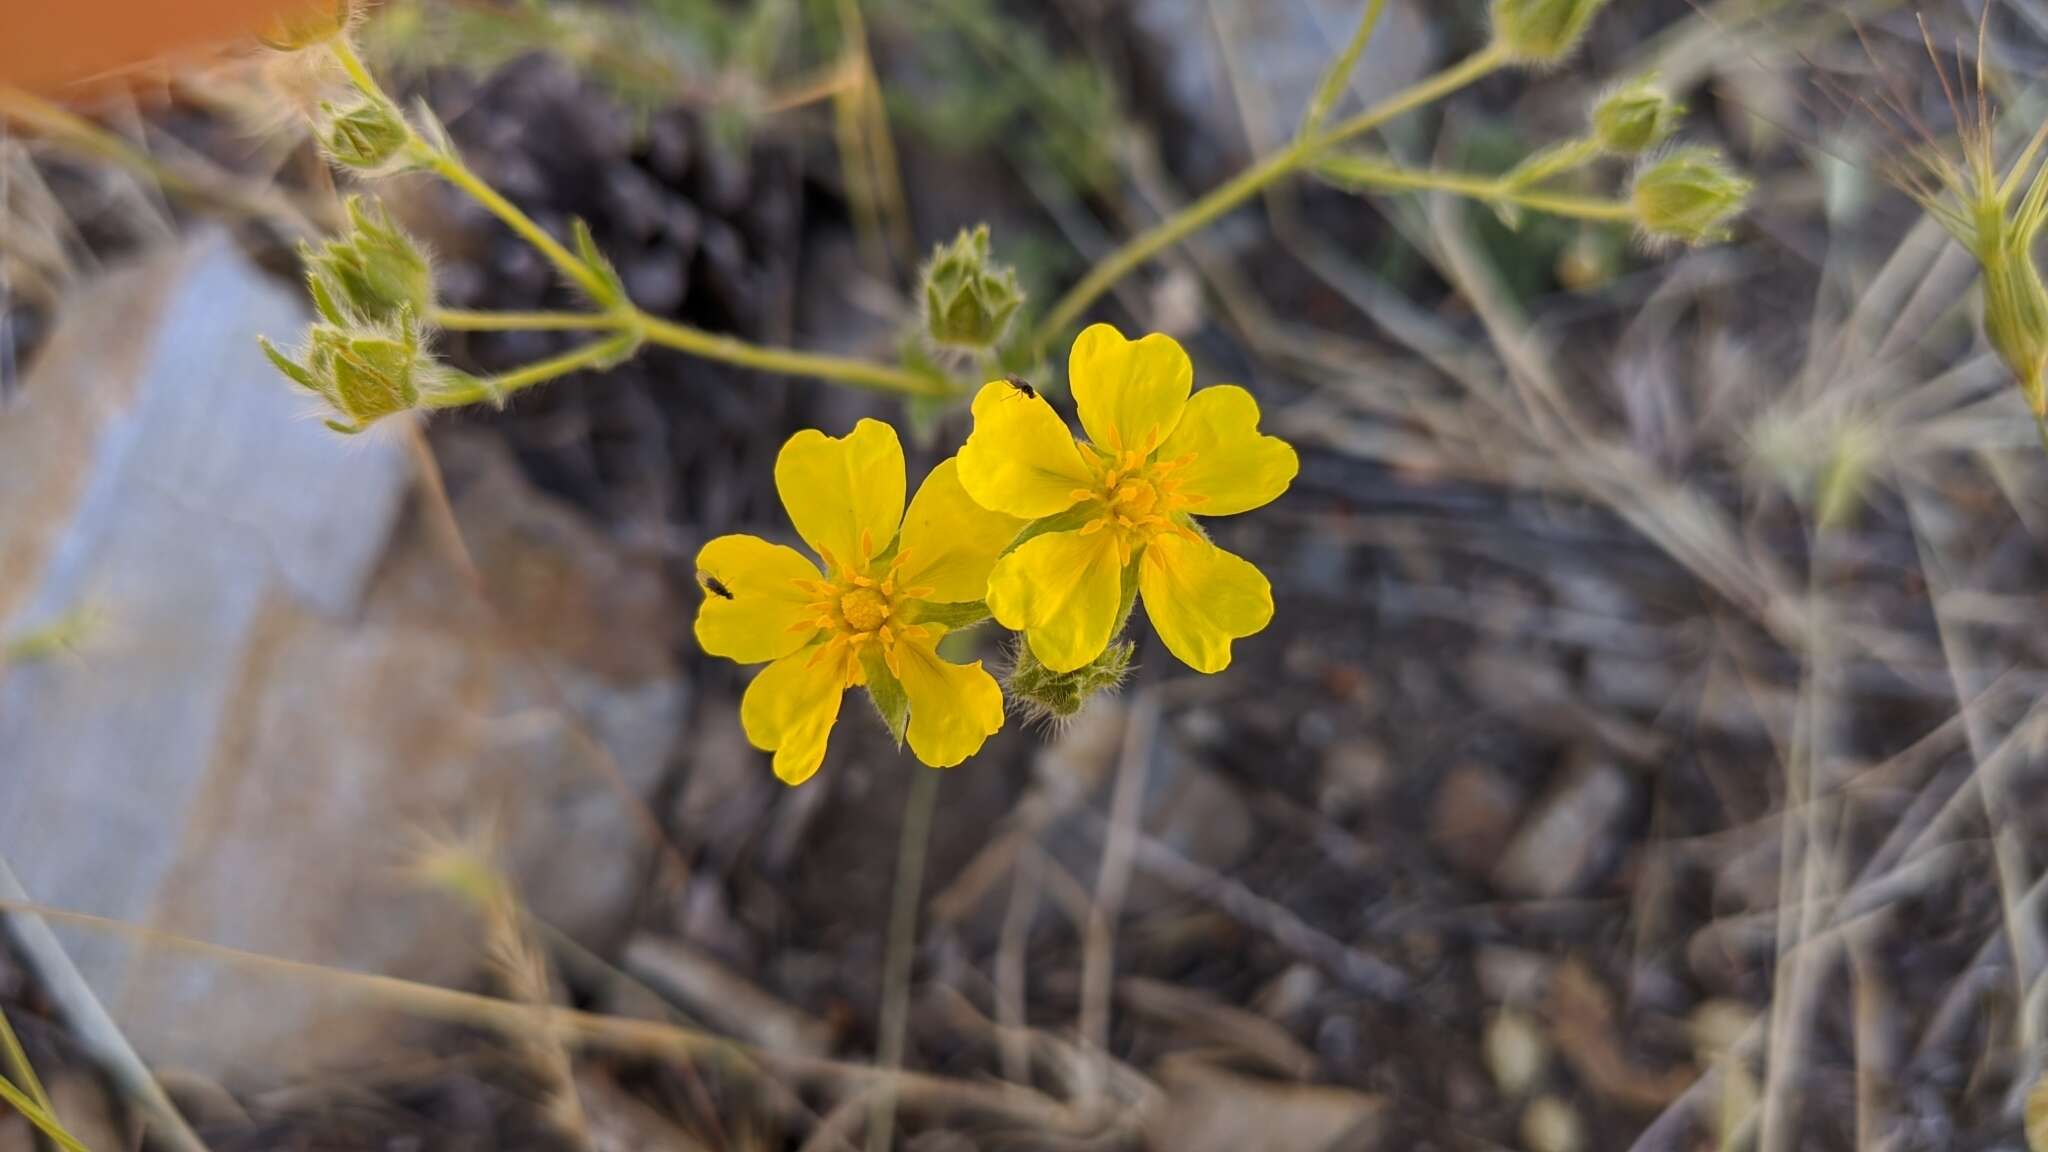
x=628, y=319
x=18, y=1066
x=902, y=946
x=465, y=320
x=1332, y=87
x=44, y=1121
x=1365, y=172
x=598, y=353
x=451, y=168
x=1250, y=182
x=697, y=342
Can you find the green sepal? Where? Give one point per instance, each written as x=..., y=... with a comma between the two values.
x=952, y=617
x=1073, y=519
x=612, y=293
x=891, y=702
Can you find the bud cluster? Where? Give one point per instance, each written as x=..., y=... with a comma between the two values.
x=367, y=354
x=968, y=300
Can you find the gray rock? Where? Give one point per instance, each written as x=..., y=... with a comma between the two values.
x=295, y=687
x=1559, y=846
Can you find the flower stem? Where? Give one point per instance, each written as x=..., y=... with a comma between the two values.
x=902, y=947
x=629, y=319
x=1250, y=182
x=1366, y=172
x=596, y=354
x=697, y=342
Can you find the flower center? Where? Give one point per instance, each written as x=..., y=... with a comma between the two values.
x=1135, y=500
x=863, y=609
x=857, y=611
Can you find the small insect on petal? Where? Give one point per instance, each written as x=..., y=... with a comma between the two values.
x=1022, y=385
x=713, y=585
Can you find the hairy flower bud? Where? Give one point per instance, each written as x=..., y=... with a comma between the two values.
x=1687, y=196
x=1056, y=696
x=968, y=302
x=364, y=373
x=369, y=274
x=369, y=136
x=1542, y=31
x=1635, y=118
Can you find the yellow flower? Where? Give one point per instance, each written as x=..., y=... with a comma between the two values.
x=1116, y=509
x=868, y=618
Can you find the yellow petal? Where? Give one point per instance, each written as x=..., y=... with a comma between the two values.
x=1062, y=591
x=1021, y=459
x=1200, y=598
x=763, y=619
x=953, y=707
x=844, y=494
x=1229, y=464
x=789, y=710
x=1130, y=392
x=949, y=541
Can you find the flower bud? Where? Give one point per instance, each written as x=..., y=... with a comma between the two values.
x=1634, y=119
x=1688, y=196
x=371, y=273
x=364, y=374
x=368, y=136
x=968, y=302
x=1056, y=696
x=1541, y=31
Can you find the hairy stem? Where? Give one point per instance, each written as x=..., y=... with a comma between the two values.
x=628, y=319
x=1249, y=183
x=697, y=342
x=1366, y=172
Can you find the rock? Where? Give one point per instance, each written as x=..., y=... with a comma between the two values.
x=1209, y=1110
x=295, y=684
x=1356, y=775
x=1550, y=1125
x=1512, y=975
x=1560, y=846
x=1516, y=1051
x=1472, y=816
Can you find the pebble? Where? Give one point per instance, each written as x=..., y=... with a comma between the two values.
x=1472, y=816
x=1550, y=1125
x=1516, y=1051
x=1559, y=847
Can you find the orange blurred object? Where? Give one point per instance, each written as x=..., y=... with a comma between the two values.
x=51, y=46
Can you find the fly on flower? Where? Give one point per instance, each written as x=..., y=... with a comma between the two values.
x=1114, y=515
x=872, y=617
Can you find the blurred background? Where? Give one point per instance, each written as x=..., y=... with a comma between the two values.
x=1645, y=752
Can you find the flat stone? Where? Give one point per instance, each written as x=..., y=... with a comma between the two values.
x=296, y=687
